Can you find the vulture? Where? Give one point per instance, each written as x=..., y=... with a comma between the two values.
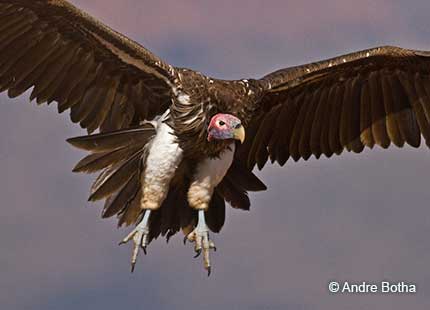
x=169, y=143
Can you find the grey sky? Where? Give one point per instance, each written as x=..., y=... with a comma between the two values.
x=355, y=217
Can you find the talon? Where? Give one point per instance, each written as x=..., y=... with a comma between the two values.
x=143, y=249
x=185, y=240
x=132, y=267
x=198, y=252
x=209, y=271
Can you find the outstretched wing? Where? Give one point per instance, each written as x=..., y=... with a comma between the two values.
x=107, y=80
x=377, y=96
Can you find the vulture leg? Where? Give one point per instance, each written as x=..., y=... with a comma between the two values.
x=202, y=243
x=140, y=236
x=209, y=173
x=163, y=156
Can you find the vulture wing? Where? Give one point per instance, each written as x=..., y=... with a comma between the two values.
x=107, y=80
x=373, y=97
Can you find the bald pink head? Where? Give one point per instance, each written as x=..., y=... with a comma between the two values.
x=224, y=127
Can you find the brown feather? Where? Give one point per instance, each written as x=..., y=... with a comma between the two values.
x=420, y=86
x=354, y=142
x=245, y=178
x=41, y=78
x=83, y=64
x=14, y=51
x=379, y=130
x=169, y=222
x=325, y=145
x=54, y=86
x=298, y=127
x=19, y=27
x=234, y=195
x=114, y=140
x=215, y=216
x=345, y=115
x=115, y=177
x=132, y=212
x=263, y=136
x=90, y=93
x=414, y=100
x=120, y=200
x=31, y=61
x=98, y=115
x=320, y=111
x=424, y=100
x=334, y=139
x=366, y=136
x=392, y=123
x=97, y=161
x=288, y=118
x=45, y=89
x=305, y=136
x=407, y=123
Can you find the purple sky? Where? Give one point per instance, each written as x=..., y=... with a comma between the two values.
x=356, y=217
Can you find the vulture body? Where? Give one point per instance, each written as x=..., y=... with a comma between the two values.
x=170, y=146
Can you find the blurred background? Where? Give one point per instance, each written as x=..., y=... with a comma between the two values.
x=355, y=217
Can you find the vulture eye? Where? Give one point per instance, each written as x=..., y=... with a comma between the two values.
x=221, y=123
x=237, y=126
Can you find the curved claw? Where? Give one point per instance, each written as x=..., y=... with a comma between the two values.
x=209, y=270
x=132, y=267
x=198, y=252
x=143, y=249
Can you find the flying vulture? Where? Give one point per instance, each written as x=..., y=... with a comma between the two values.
x=169, y=142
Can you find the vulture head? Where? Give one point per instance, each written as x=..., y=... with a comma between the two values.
x=224, y=127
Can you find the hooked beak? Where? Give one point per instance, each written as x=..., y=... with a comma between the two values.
x=239, y=134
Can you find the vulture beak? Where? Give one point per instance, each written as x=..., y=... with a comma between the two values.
x=239, y=134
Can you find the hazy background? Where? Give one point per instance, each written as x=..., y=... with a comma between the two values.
x=355, y=217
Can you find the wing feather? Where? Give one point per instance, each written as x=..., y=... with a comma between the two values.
x=69, y=57
x=296, y=133
x=345, y=115
x=305, y=132
x=324, y=140
x=320, y=113
x=392, y=123
x=334, y=139
x=376, y=96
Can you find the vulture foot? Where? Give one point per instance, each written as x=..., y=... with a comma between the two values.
x=202, y=243
x=140, y=237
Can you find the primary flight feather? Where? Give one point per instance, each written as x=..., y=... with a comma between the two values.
x=171, y=145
